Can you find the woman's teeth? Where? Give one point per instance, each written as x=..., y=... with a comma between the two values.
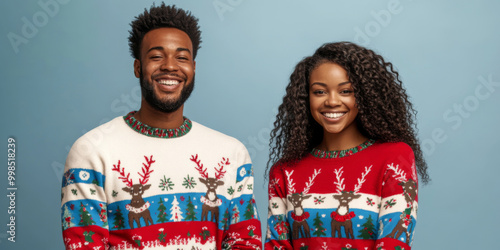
x=333, y=115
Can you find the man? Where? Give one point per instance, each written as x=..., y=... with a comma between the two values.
x=157, y=180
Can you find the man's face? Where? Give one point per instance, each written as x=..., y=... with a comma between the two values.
x=166, y=69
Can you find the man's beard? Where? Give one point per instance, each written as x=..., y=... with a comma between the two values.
x=166, y=106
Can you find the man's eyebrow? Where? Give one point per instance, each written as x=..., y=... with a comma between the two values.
x=161, y=48
x=183, y=49
x=155, y=48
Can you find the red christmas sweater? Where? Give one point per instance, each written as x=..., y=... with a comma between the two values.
x=130, y=186
x=360, y=198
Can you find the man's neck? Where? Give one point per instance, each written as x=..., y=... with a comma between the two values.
x=157, y=119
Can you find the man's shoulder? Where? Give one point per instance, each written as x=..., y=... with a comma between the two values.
x=102, y=132
x=214, y=136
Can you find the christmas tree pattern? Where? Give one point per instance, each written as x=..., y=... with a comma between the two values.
x=118, y=222
x=191, y=214
x=175, y=211
x=249, y=211
x=85, y=217
x=368, y=231
x=162, y=215
x=225, y=220
x=319, y=230
x=67, y=223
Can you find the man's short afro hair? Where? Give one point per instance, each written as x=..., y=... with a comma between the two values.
x=160, y=17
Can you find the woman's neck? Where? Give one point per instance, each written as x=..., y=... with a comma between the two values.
x=340, y=141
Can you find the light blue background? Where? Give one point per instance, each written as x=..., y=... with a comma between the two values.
x=76, y=73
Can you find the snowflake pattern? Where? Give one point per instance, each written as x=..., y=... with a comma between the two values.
x=189, y=182
x=249, y=187
x=389, y=203
x=114, y=194
x=318, y=200
x=166, y=184
x=370, y=202
x=74, y=191
x=92, y=191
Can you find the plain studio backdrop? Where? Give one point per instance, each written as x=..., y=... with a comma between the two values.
x=66, y=68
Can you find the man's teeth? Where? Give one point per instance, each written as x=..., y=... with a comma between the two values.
x=333, y=115
x=168, y=82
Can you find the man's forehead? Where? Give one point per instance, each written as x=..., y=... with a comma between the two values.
x=172, y=38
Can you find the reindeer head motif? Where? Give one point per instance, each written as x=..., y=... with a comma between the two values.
x=137, y=208
x=211, y=182
x=210, y=200
x=345, y=197
x=136, y=190
x=409, y=189
x=297, y=198
x=409, y=185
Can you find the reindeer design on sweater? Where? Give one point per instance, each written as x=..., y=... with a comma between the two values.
x=210, y=201
x=137, y=208
x=300, y=226
x=342, y=217
x=410, y=193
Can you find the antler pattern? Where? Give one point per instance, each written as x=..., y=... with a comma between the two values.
x=124, y=178
x=340, y=181
x=219, y=173
x=398, y=173
x=145, y=170
x=357, y=187
x=199, y=166
x=311, y=181
x=291, y=188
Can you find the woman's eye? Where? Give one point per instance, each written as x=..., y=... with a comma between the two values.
x=319, y=92
x=346, y=91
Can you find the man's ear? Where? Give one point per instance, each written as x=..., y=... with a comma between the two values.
x=194, y=66
x=137, y=68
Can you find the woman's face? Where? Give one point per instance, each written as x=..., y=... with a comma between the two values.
x=331, y=99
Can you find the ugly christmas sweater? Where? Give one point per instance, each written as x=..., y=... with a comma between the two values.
x=130, y=186
x=360, y=198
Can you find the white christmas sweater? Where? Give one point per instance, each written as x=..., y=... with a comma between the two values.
x=130, y=186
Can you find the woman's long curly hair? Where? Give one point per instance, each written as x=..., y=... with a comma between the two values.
x=385, y=111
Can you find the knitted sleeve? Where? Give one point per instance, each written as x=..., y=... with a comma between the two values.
x=83, y=202
x=243, y=226
x=278, y=229
x=397, y=217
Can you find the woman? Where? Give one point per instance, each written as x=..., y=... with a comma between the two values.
x=345, y=156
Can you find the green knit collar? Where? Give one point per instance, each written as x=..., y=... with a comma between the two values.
x=157, y=132
x=341, y=153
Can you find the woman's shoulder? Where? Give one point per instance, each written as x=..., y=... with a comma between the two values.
x=393, y=147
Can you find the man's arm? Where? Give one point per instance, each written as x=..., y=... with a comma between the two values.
x=83, y=201
x=244, y=231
